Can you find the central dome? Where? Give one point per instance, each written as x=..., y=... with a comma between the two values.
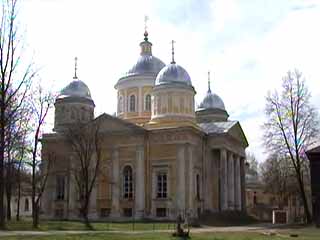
x=173, y=73
x=146, y=64
x=76, y=88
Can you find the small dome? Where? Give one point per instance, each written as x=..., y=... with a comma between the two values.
x=173, y=73
x=76, y=88
x=146, y=64
x=212, y=101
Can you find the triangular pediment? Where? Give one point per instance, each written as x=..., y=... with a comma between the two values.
x=236, y=132
x=115, y=125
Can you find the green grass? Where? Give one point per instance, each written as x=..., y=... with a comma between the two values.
x=167, y=236
x=99, y=226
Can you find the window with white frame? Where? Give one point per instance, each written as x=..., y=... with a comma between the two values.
x=162, y=185
x=132, y=103
x=147, y=105
x=127, y=183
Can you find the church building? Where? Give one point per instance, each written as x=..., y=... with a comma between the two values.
x=162, y=156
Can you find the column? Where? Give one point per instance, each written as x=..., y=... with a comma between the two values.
x=140, y=100
x=237, y=184
x=243, y=183
x=191, y=178
x=180, y=187
x=230, y=181
x=140, y=183
x=224, y=180
x=115, y=211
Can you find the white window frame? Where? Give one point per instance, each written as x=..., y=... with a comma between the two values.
x=127, y=184
x=162, y=186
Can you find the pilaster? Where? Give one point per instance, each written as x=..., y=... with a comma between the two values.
x=181, y=177
x=140, y=183
x=116, y=184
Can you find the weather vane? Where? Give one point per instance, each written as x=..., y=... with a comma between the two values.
x=75, y=68
x=172, y=48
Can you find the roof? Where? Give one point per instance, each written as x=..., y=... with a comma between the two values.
x=173, y=73
x=232, y=128
x=217, y=127
x=314, y=150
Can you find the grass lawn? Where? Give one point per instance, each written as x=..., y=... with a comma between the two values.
x=311, y=235
x=98, y=226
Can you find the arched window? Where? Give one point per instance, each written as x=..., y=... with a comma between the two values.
x=120, y=104
x=127, y=183
x=26, y=205
x=132, y=106
x=147, y=105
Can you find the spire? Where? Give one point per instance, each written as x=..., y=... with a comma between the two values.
x=209, y=89
x=75, y=68
x=172, y=51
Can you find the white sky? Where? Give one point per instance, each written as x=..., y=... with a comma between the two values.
x=247, y=45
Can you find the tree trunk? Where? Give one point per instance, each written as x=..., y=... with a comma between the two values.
x=35, y=215
x=8, y=197
x=304, y=199
x=19, y=197
x=2, y=145
x=85, y=211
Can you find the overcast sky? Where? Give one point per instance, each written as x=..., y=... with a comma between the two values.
x=247, y=45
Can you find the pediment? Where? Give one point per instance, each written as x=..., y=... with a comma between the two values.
x=116, y=125
x=237, y=133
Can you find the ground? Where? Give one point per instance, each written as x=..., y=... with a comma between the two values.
x=154, y=231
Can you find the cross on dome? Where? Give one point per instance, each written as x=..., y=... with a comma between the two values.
x=172, y=51
x=75, y=68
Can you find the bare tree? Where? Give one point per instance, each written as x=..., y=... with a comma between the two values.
x=16, y=133
x=253, y=164
x=86, y=146
x=42, y=102
x=278, y=178
x=291, y=126
x=14, y=80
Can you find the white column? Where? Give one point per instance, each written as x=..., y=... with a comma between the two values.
x=140, y=183
x=237, y=184
x=116, y=183
x=224, y=180
x=180, y=188
x=230, y=181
